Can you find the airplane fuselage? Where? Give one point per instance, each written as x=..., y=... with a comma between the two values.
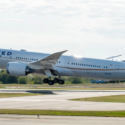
x=69, y=65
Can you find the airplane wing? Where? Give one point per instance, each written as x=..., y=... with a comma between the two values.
x=47, y=62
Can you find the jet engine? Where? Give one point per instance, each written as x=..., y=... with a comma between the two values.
x=18, y=69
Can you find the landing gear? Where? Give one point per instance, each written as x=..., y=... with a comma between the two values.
x=117, y=81
x=51, y=82
x=45, y=80
x=56, y=80
x=61, y=82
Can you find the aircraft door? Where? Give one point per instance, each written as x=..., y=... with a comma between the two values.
x=67, y=63
x=117, y=68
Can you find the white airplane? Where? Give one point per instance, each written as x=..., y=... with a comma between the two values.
x=22, y=63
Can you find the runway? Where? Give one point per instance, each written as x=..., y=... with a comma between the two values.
x=58, y=120
x=59, y=100
x=52, y=91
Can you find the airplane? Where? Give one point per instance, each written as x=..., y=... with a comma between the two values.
x=22, y=63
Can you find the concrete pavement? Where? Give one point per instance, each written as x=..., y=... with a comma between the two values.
x=59, y=101
x=59, y=120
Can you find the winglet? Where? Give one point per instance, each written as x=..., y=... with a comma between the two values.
x=54, y=55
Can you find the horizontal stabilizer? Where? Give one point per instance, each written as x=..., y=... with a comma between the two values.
x=112, y=57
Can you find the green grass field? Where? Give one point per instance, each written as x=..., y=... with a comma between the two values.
x=64, y=113
x=5, y=95
x=88, y=86
x=114, y=98
x=66, y=86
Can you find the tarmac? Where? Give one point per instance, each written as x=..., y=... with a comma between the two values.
x=59, y=120
x=59, y=100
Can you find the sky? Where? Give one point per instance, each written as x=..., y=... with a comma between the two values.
x=90, y=28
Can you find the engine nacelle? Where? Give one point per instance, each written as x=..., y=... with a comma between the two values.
x=17, y=69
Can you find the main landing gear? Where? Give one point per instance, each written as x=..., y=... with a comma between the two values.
x=52, y=82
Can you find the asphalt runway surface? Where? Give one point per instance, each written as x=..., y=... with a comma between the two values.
x=52, y=91
x=59, y=120
x=59, y=100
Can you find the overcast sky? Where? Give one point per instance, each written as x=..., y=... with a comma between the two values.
x=91, y=28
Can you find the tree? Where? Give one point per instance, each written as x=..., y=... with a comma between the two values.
x=38, y=80
x=75, y=80
x=22, y=80
x=13, y=79
x=5, y=78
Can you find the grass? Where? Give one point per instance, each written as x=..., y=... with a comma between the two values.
x=88, y=86
x=64, y=113
x=5, y=95
x=113, y=98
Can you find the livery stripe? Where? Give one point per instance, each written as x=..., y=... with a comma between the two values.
x=90, y=69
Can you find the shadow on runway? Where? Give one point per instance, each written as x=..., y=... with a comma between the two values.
x=27, y=91
x=53, y=91
x=40, y=91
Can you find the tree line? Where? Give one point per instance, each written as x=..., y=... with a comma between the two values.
x=32, y=79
